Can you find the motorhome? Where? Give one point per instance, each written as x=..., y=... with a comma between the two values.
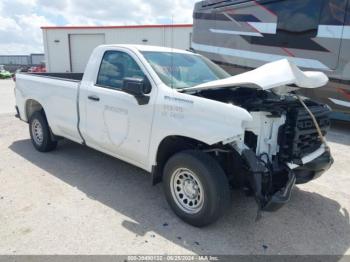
x=313, y=34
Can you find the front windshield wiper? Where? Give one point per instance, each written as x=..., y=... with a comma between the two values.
x=181, y=89
x=184, y=90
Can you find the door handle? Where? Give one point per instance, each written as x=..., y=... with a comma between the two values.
x=94, y=98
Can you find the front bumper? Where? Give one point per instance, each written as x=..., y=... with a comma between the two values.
x=271, y=198
x=281, y=197
x=313, y=169
x=300, y=175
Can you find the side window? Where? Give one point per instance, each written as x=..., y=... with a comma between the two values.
x=298, y=16
x=115, y=66
x=334, y=12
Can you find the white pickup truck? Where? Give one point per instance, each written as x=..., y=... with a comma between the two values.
x=187, y=122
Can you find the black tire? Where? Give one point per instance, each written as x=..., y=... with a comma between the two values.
x=214, y=184
x=46, y=142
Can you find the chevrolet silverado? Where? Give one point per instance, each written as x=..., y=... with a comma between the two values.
x=187, y=122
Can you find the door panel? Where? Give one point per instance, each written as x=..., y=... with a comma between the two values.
x=108, y=119
x=117, y=124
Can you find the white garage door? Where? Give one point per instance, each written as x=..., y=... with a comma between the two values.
x=81, y=47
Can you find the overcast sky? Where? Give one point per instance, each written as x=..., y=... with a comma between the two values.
x=20, y=20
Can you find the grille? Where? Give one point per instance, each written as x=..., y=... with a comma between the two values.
x=299, y=137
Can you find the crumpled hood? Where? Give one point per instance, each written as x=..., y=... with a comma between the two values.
x=276, y=75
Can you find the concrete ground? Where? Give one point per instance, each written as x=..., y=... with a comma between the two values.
x=78, y=201
x=7, y=98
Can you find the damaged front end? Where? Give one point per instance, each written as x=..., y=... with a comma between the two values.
x=271, y=190
x=281, y=146
x=272, y=184
x=279, y=155
x=284, y=145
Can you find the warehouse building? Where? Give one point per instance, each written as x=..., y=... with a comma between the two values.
x=68, y=49
x=14, y=60
x=37, y=59
x=22, y=60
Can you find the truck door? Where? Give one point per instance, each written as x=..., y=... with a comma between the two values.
x=114, y=122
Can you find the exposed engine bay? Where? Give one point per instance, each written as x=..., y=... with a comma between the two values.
x=283, y=147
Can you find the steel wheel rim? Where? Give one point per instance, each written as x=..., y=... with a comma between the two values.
x=187, y=190
x=37, y=131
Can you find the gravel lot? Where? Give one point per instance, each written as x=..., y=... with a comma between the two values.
x=78, y=201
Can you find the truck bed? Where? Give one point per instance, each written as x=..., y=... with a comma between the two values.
x=57, y=93
x=62, y=76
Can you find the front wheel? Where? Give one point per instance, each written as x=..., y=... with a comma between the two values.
x=196, y=187
x=40, y=133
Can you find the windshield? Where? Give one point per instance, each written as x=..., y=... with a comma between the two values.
x=180, y=70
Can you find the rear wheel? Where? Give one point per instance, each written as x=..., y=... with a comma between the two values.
x=40, y=133
x=196, y=187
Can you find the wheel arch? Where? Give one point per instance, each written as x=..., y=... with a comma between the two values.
x=32, y=106
x=168, y=147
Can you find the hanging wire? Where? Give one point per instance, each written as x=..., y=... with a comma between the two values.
x=322, y=138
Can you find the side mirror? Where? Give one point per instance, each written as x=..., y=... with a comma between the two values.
x=138, y=87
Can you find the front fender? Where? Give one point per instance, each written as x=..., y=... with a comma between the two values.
x=202, y=119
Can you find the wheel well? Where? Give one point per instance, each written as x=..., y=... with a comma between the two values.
x=169, y=147
x=32, y=106
x=227, y=157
